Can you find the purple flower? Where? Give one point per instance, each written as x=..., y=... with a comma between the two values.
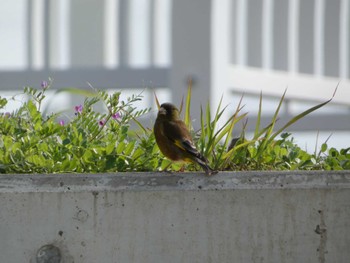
x=7, y=114
x=102, y=122
x=116, y=116
x=61, y=122
x=78, y=109
x=44, y=84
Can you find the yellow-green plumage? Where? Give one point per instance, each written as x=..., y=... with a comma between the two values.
x=173, y=138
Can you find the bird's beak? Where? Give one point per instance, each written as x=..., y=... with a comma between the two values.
x=162, y=111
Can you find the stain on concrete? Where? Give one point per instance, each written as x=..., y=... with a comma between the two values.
x=48, y=254
x=321, y=230
x=95, y=210
x=81, y=215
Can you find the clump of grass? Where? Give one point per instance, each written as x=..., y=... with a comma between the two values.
x=264, y=151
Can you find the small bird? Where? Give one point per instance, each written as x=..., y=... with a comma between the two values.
x=174, y=140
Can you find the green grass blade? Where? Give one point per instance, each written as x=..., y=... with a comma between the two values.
x=139, y=124
x=226, y=128
x=188, y=106
x=157, y=101
x=214, y=122
x=211, y=134
x=269, y=131
x=234, y=121
x=298, y=117
x=217, y=114
x=263, y=131
x=228, y=155
x=181, y=105
x=76, y=91
x=202, y=132
x=257, y=126
x=238, y=109
x=208, y=118
x=274, y=118
x=228, y=132
x=316, y=144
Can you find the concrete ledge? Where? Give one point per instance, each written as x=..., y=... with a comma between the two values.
x=21, y=183
x=180, y=217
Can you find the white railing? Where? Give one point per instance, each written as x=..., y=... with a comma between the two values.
x=300, y=44
x=78, y=41
x=310, y=37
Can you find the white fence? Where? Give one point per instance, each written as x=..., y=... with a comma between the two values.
x=310, y=37
x=302, y=45
x=225, y=46
x=79, y=41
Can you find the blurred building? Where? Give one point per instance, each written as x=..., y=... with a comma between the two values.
x=226, y=47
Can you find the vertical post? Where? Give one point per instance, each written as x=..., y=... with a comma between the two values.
x=267, y=29
x=29, y=34
x=200, y=38
x=280, y=35
x=151, y=32
x=123, y=33
x=331, y=38
x=306, y=37
x=87, y=33
x=293, y=38
x=319, y=38
x=220, y=57
x=47, y=25
x=58, y=34
x=162, y=32
x=37, y=34
x=344, y=40
x=110, y=54
x=241, y=32
x=191, y=53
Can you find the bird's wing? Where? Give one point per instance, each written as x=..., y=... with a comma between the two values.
x=187, y=146
x=180, y=136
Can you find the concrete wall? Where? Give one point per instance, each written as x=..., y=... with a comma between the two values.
x=126, y=217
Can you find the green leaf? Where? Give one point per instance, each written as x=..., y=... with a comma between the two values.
x=324, y=147
x=88, y=156
x=110, y=148
x=129, y=148
x=165, y=164
x=120, y=147
x=137, y=153
x=66, y=141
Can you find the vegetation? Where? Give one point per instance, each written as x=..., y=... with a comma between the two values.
x=104, y=142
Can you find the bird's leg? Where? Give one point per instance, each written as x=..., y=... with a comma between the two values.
x=210, y=172
x=166, y=168
x=182, y=169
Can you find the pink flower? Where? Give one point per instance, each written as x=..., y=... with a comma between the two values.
x=102, y=122
x=61, y=122
x=116, y=116
x=78, y=109
x=44, y=84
